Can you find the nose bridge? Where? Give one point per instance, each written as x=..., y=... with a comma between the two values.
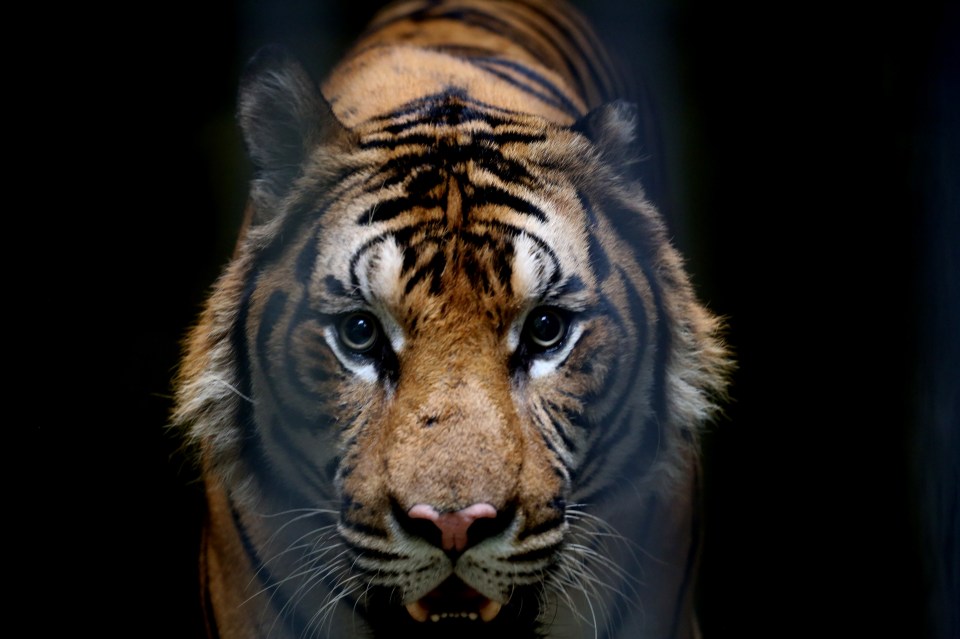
x=460, y=355
x=460, y=385
x=456, y=439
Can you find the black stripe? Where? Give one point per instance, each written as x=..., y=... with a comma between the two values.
x=448, y=107
x=493, y=24
x=503, y=28
x=562, y=103
x=503, y=266
x=550, y=445
x=307, y=259
x=546, y=552
x=355, y=293
x=264, y=574
x=648, y=447
x=558, y=96
x=425, y=140
x=299, y=318
x=346, y=505
x=271, y=317
x=424, y=179
x=425, y=164
x=597, y=254
x=572, y=284
x=291, y=419
x=295, y=617
x=622, y=417
x=492, y=195
x=434, y=110
x=572, y=43
x=646, y=450
x=370, y=553
x=570, y=416
x=294, y=458
x=432, y=269
x=539, y=529
x=388, y=209
x=334, y=286
x=397, y=140
x=515, y=136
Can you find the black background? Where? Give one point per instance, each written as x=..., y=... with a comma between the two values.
x=813, y=159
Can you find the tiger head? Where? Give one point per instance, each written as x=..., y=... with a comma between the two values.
x=453, y=353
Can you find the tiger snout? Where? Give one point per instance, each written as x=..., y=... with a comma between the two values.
x=459, y=435
x=475, y=507
x=456, y=445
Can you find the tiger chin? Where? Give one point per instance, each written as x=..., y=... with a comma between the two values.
x=452, y=380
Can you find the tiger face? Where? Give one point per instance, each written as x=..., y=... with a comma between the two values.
x=453, y=357
x=449, y=357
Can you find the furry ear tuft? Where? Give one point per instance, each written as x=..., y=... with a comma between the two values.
x=613, y=128
x=282, y=116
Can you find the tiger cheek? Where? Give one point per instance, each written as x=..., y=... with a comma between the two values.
x=363, y=485
x=542, y=485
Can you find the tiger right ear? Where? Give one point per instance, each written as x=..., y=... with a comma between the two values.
x=613, y=128
x=282, y=116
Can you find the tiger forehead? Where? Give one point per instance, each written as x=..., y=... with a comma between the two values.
x=428, y=274
x=447, y=135
x=449, y=160
x=462, y=291
x=433, y=269
x=453, y=209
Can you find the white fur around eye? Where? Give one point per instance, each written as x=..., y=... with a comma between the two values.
x=546, y=363
x=356, y=365
x=379, y=281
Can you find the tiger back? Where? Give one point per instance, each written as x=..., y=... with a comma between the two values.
x=453, y=378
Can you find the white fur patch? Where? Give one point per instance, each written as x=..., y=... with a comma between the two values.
x=380, y=287
x=364, y=370
x=545, y=364
x=381, y=274
x=530, y=269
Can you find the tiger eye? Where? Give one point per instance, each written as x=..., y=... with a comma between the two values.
x=359, y=331
x=546, y=327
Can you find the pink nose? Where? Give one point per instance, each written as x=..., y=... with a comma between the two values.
x=453, y=526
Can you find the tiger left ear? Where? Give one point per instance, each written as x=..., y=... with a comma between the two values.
x=613, y=128
x=283, y=117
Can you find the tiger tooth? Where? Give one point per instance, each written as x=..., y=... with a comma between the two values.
x=490, y=610
x=417, y=611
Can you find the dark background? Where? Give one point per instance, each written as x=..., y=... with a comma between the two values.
x=813, y=160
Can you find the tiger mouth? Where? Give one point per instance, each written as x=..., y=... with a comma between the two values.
x=453, y=600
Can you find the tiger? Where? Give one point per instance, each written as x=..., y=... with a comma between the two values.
x=454, y=378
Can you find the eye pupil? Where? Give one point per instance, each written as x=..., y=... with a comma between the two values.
x=546, y=328
x=359, y=332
